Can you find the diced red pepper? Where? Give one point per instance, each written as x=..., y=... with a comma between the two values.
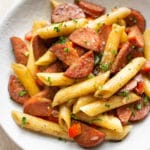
x=140, y=87
x=146, y=67
x=28, y=36
x=74, y=130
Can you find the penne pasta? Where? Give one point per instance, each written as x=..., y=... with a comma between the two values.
x=146, y=85
x=80, y=89
x=39, y=125
x=100, y=106
x=58, y=29
x=55, y=3
x=46, y=59
x=110, y=18
x=82, y=101
x=116, y=136
x=147, y=44
x=25, y=78
x=31, y=61
x=111, y=46
x=124, y=37
x=121, y=78
x=55, y=79
x=64, y=118
x=102, y=120
x=38, y=25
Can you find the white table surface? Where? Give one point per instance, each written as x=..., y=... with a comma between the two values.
x=5, y=142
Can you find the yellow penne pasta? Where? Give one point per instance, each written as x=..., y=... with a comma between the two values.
x=82, y=101
x=147, y=44
x=146, y=85
x=116, y=136
x=31, y=61
x=80, y=89
x=38, y=25
x=124, y=37
x=39, y=125
x=55, y=3
x=58, y=29
x=111, y=46
x=121, y=78
x=110, y=18
x=64, y=117
x=113, y=102
x=25, y=78
x=46, y=59
x=103, y=120
x=55, y=79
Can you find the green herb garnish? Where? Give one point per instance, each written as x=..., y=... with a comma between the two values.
x=146, y=100
x=66, y=49
x=107, y=105
x=138, y=106
x=104, y=67
x=124, y=93
x=73, y=116
x=24, y=121
x=49, y=80
x=75, y=21
x=22, y=93
x=95, y=119
x=62, y=39
x=114, y=52
x=86, y=42
x=56, y=29
x=91, y=75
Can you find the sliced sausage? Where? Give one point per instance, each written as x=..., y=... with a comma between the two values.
x=136, y=18
x=66, y=12
x=124, y=114
x=141, y=113
x=38, y=106
x=17, y=91
x=135, y=37
x=89, y=137
x=20, y=49
x=87, y=38
x=83, y=67
x=66, y=53
x=39, y=47
x=55, y=67
x=120, y=60
x=133, y=83
x=80, y=50
x=103, y=35
x=91, y=9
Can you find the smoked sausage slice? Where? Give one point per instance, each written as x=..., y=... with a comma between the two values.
x=120, y=59
x=39, y=47
x=89, y=136
x=91, y=9
x=66, y=12
x=87, y=38
x=20, y=49
x=38, y=106
x=67, y=54
x=83, y=67
x=136, y=18
x=16, y=90
x=135, y=37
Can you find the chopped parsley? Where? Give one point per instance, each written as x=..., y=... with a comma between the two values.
x=24, y=121
x=97, y=58
x=124, y=93
x=73, y=116
x=100, y=87
x=66, y=49
x=146, y=100
x=75, y=21
x=104, y=67
x=138, y=106
x=91, y=75
x=107, y=105
x=86, y=42
x=56, y=29
x=22, y=93
x=49, y=80
x=114, y=52
x=62, y=39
